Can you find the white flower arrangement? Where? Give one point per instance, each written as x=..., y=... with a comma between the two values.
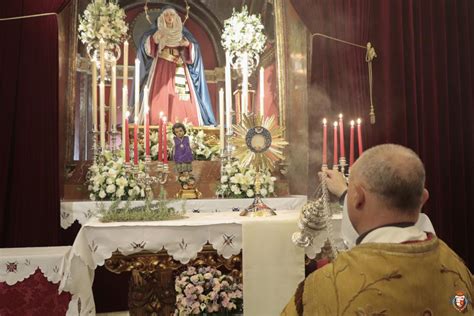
x=238, y=181
x=203, y=148
x=243, y=32
x=207, y=290
x=108, y=180
x=102, y=19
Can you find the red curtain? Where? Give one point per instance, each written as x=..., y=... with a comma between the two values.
x=29, y=183
x=423, y=88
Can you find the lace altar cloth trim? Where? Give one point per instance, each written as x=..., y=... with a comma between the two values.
x=17, y=264
x=83, y=211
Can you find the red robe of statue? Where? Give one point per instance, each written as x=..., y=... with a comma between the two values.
x=164, y=96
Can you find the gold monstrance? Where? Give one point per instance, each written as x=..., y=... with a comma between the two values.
x=258, y=141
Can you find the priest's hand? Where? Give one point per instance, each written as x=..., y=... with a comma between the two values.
x=336, y=182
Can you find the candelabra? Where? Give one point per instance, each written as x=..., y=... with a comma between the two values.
x=146, y=180
x=96, y=149
x=343, y=165
x=113, y=141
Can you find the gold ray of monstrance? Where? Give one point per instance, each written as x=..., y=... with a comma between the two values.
x=258, y=141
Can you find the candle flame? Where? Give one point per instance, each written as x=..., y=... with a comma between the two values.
x=165, y=118
x=161, y=114
x=359, y=121
x=126, y=42
x=127, y=114
x=352, y=123
x=325, y=121
x=335, y=124
x=147, y=109
x=340, y=115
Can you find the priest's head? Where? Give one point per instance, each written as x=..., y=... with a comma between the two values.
x=386, y=186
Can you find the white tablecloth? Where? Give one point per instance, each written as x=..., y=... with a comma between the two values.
x=17, y=264
x=183, y=239
x=83, y=211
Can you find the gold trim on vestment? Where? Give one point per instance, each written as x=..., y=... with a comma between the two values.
x=172, y=55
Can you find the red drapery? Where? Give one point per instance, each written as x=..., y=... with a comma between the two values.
x=29, y=183
x=423, y=89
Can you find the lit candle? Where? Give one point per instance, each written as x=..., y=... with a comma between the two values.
x=125, y=63
x=147, y=122
x=160, y=138
x=125, y=87
x=135, y=141
x=228, y=93
x=262, y=99
x=341, y=136
x=126, y=138
x=351, y=145
x=102, y=113
x=113, y=97
x=165, y=141
x=245, y=83
x=359, y=136
x=94, y=95
x=102, y=59
x=335, y=145
x=221, y=118
x=137, y=89
x=325, y=142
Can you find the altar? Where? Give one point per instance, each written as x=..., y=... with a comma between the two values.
x=261, y=248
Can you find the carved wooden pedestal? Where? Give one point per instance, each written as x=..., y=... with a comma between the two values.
x=151, y=288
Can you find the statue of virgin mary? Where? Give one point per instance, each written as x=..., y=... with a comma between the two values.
x=172, y=68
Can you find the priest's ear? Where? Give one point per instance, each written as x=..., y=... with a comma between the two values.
x=358, y=196
x=424, y=197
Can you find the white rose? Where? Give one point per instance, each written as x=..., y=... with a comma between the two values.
x=92, y=197
x=270, y=189
x=110, y=188
x=102, y=194
x=250, y=193
x=263, y=192
x=224, y=179
x=122, y=182
x=120, y=192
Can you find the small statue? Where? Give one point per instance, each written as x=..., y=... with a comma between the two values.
x=183, y=158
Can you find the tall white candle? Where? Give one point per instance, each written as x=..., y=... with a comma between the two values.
x=245, y=83
x=221, y=118
x=147, y=121
x=113, y=98
x=94, y=94
x=261, y=86
x=124, y=91
x=125, y=63
x=137, y=88
x=228, y=93
x=102, y=59
x=102, y=113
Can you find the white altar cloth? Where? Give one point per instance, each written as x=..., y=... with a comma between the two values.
x=183, y=239
x=17, y=264
x=83, y=211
